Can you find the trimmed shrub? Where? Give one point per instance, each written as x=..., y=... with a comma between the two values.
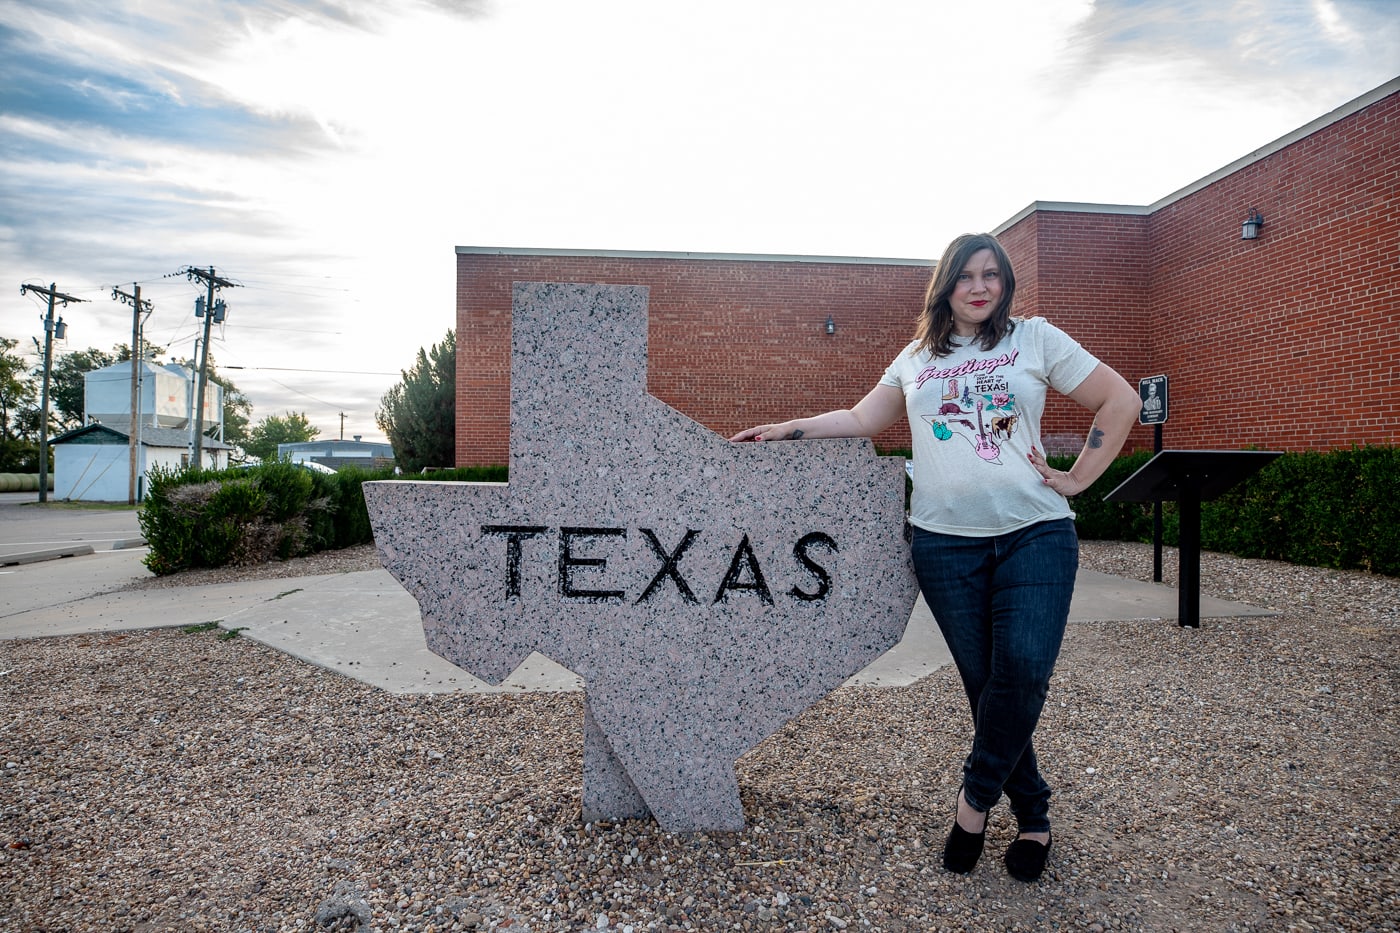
x=1322, y=509
x=170, y=517
x=208, y=518
x=351, y=517
x=1377, y=523
x=475, y=474
x=195, y=517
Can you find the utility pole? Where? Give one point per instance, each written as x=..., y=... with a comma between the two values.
x=50, y=327
x=342, y=425
x=211, y=312
x=137, y=306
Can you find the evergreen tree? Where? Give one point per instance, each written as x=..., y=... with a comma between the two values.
x=419, y=415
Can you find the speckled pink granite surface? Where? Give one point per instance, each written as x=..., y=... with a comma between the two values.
x=706, y=592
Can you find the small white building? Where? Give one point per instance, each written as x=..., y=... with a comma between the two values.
x=92, y=463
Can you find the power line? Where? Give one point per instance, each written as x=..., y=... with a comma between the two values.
x=291, y=369
x=313, y=398
x=290, y=330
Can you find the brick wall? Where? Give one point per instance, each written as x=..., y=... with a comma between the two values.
x=732, y=342
x=1087, y=273
x=1290, y=341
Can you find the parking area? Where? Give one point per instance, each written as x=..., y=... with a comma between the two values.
x=27, y=526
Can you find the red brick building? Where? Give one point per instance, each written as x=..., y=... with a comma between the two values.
x=1289, y=341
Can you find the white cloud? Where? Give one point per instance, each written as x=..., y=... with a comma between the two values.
x=330, y=155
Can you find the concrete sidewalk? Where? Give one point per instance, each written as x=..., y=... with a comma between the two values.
x=366, y=626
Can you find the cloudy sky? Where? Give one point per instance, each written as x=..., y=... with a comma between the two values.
x=329, y=155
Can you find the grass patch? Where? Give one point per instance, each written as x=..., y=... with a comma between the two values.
x=66, y=505
x=201, y=627
x=225, y=635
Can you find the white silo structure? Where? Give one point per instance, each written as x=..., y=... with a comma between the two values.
x=166, y=397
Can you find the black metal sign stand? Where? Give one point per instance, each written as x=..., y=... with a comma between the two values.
x=1153, y=392
x=1157, y=514
x=1190, y=477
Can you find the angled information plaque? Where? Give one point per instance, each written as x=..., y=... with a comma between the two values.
x=1190, y=477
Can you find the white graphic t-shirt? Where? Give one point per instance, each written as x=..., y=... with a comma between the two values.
x=974, y=416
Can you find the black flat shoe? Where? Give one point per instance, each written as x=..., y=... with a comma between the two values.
x=1026, y=858
x=963, y=849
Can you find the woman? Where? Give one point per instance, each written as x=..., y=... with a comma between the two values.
x=994, y=544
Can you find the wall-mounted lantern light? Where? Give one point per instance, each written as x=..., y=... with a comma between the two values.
x=1249, y=230
x=830, y=325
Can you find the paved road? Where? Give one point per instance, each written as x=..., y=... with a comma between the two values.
x=27, y=526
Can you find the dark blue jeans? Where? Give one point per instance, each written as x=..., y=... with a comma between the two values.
x=1002, y=604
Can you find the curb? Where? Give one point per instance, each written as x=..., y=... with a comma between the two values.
x=9, y=560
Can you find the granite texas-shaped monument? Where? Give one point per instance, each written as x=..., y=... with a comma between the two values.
x=706, y=592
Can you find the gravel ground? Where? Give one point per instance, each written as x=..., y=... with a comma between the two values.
x=1240, y=776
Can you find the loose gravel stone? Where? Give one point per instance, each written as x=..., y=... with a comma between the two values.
x=1239, y=776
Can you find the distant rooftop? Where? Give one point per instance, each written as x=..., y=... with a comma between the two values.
x=707, y=257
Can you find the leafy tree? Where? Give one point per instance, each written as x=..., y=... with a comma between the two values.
x=149, y=353
x=419, y=415
x=275, y=429
x=67, y=386
x=18, y=452
x=238, y=408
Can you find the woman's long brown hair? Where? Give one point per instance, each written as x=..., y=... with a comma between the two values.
x=934, y=332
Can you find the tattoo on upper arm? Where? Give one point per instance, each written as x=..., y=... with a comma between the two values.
x=1095, y=437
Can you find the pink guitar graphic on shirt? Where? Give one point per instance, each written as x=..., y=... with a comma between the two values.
x=985, y=448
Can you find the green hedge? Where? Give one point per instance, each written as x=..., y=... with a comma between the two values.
x=1336, y=508
x=209, y=518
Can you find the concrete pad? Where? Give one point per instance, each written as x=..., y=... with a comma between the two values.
x=1099, y=597
x=919, y=653
x=366, y=626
